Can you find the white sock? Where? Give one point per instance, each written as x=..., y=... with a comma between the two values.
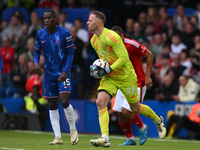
x=55, y=122
x=69, y=113
x=132, y=138
x=105, y=137
x=143, y=127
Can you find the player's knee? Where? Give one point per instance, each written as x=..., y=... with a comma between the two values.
x=64, y=103
x=100, y=102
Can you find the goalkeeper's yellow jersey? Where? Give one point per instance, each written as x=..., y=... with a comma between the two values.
x=109, y=46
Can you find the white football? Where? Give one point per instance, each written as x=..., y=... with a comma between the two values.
x=101, y=63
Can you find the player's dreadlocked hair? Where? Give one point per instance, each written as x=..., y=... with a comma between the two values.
x=51, y=11
x=117, y=28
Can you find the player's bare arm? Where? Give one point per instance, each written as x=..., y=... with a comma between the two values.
x=149, y=56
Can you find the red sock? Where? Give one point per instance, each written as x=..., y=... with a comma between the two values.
x=126, y=128
x=137, y=121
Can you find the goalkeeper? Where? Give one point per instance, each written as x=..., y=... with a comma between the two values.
x=120, y=75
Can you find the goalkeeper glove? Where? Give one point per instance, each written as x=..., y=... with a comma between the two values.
x=98, y=72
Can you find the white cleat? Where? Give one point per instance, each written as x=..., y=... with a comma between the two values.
x=161, y=128
x=57, y=140
x=74, y=137
x=100, y=142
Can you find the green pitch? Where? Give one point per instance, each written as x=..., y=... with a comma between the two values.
x=27, y=140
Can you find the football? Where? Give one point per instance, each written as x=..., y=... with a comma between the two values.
x=101, y=63
x=93, y=68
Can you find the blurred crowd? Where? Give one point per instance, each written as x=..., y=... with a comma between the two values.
x=173, y=39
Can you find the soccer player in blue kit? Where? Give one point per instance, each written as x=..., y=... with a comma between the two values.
x=58, y=50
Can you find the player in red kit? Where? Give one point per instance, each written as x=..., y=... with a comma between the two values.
x=121, y=105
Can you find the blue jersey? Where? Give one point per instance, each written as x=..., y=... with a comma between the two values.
x=58, y=51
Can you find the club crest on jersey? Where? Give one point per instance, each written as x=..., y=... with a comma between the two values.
x=57, y=41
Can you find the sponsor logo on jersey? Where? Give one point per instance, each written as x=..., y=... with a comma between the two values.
x=43, y=41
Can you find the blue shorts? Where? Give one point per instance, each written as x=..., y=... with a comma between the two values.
x=52, y=88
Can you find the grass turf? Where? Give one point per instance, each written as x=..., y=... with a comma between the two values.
x=30, y=140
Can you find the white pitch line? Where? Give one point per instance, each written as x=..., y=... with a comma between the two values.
x=10, y=148
x=112, y=136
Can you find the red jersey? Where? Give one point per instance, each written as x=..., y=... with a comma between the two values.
x=135, y=52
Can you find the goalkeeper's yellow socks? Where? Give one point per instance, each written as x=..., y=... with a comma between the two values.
x=148, y=112
x=104, y=121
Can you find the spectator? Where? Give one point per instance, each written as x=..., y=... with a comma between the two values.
x=186, y=20
x=185, y=60
x=34, y=103
x=194, y=50
x=167, y=50
x=48, y=3
x=152, y=15
x=176, y=68
x=150, y=94
x=157, y=46
x=142, y=19
x=78, y=48
x=128, y=32
x=197, y=13
x=167, y=89
x=3, y=26
x=170, y=28
x=19, y=15
x=177, y=46
x=138, y=34
x=188, y=90
x=78, y=59
x=195, y=21
x=160, y=24
x=7, y=55
x=82, y=34
x=188, y=35
x=30, y=48
x=22, y=42
x=13, y=31
x=63, y=21
x=191, y=122
x=150, y=31
x=162, y=71
x=19, y=76
x=195, y=70
x=178, y=17
x=36, y=24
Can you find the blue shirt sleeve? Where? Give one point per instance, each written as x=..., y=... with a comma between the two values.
x=69, y=44
x=37, y=49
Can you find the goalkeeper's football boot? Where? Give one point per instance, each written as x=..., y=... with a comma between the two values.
x=143, y=135
x=100, y=142
x=74, y=137
x=161, y=128
x=57, y=140
x=128, y=142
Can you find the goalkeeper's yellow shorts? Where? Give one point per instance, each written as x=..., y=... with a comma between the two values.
x=128, y=88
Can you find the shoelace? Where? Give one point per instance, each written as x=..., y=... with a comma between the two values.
x=158, y=127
